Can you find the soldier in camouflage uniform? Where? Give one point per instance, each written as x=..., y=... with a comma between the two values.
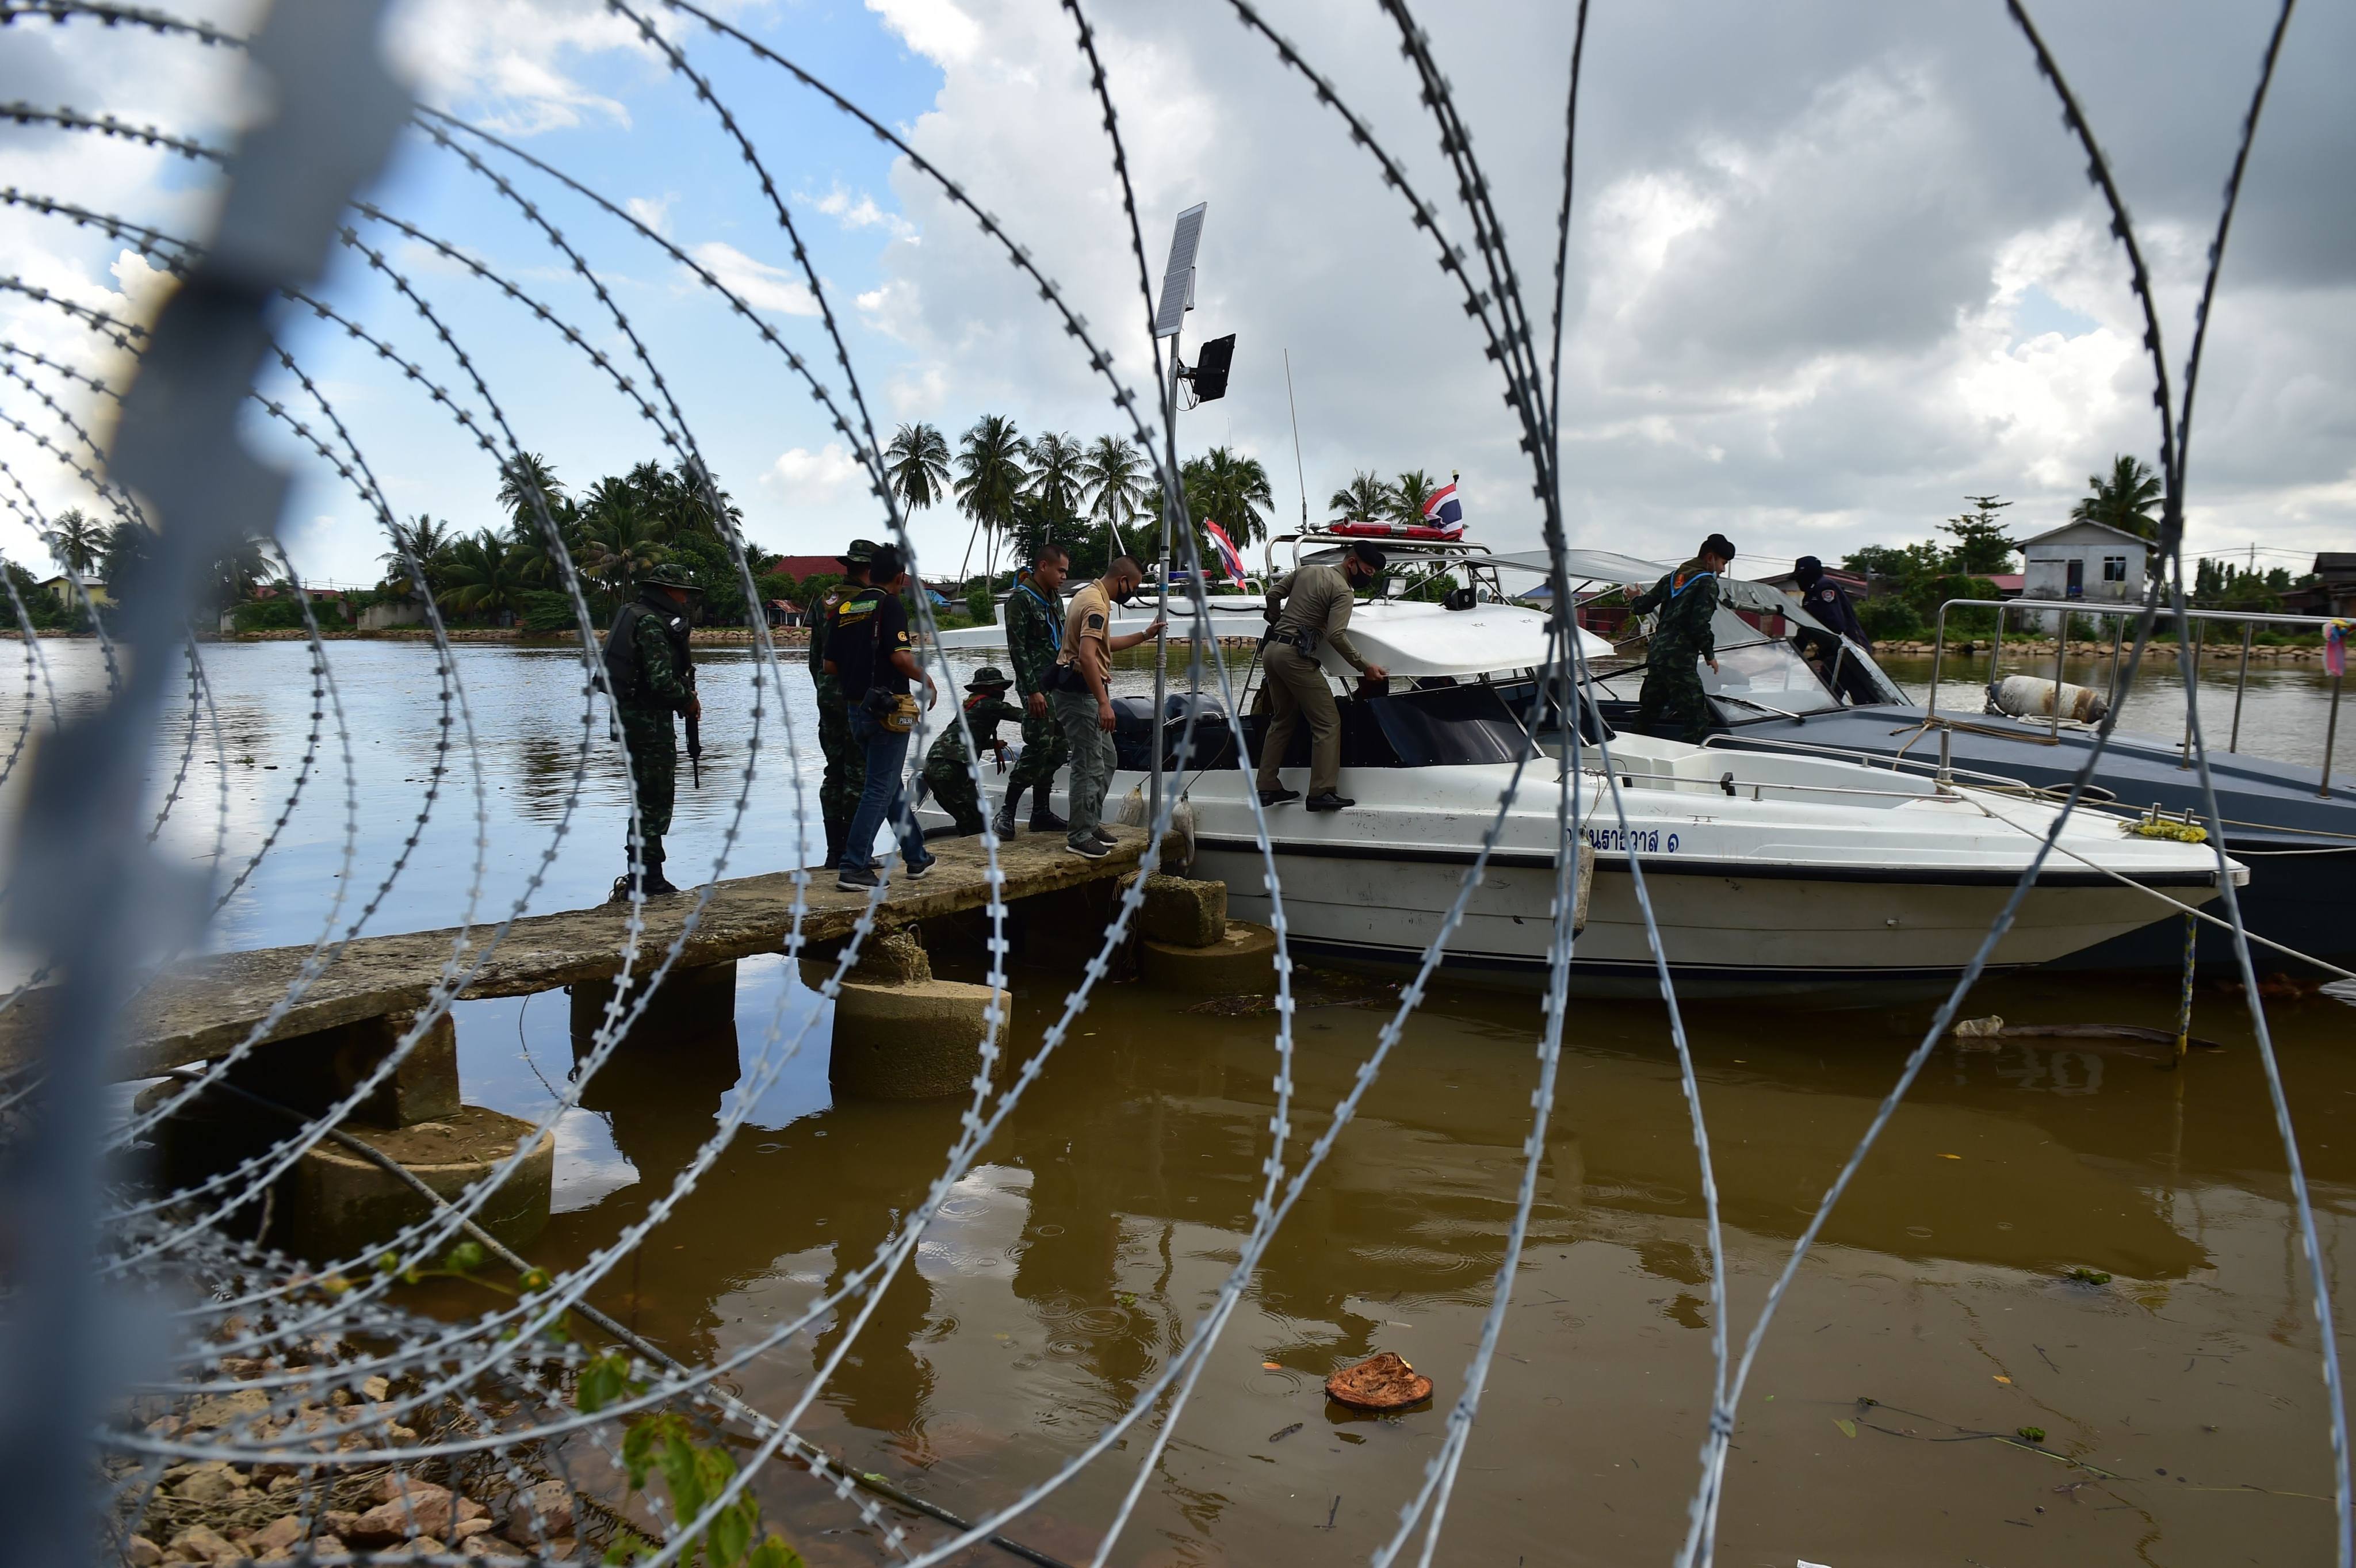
x=1673, y=703
x=946, y=773
x=1034, y=634
x=651, y=679
x=846, y=767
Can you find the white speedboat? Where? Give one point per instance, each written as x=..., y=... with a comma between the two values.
x=1763, y=870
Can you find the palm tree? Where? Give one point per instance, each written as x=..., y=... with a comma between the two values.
x=1230, y=490
x=917, y=465
x=76, y=540
x=619, y=538
x=2125, y=500
x=486, y=577
x=524, y=478
x=1114, y=475
x=428, y=543
x=1366, y=497
x=1409, y=492
x=990, y=476
x=1056, y=479
x=241, y=568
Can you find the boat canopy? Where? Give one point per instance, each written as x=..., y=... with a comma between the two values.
x=1408, y=637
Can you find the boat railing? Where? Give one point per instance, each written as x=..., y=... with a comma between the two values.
x=2118, y=615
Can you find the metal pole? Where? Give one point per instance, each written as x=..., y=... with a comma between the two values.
x=1938, y=652
x=2241, y=684
x=2184, y=994
x=1161, y=599
x=2192, y=658
x=2118, y=644
x=2330, y=736
x=1995, y=649
x=2061, y=648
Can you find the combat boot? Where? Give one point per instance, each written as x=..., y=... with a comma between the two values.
x=1002, y=825
x=656, y=885
x=1042, y=818
x=837, y=829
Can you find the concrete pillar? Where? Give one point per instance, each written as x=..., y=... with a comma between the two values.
x=899, y=1034
x=1181, y=912
x=312, y=1072
x=1243, y=960
x=699, y=1002
x=337, y=1204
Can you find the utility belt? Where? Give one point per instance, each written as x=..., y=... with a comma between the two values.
x=896, y=710
x=1304, y=641
x=1063, y=678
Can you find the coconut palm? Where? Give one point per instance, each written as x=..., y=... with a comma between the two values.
x=1367, y=495
x=2123, y=500
x=485, y=577
x=991, y=477
x=1231, y=490
x=917, y=465
x=1409, y=492
x=1114, y=474
x=428, y=544
x=1055, y=480
x=527, y=477
x=238, y=570
x=619, y=539
x=76, y=540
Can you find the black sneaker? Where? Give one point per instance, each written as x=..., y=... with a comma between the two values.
x=1092, y=848
x=1044, y=820
x=1279, y=797
x=1330, y=801
x=916, y=870
x=1105, y=836
x=855, y=879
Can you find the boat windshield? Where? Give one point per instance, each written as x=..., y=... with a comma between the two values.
x=1764, y=677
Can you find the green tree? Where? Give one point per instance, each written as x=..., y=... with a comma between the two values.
x=1367, y=497
x=485, y=577
x=619, y=539
x=917, y=466
x=237, y=570
x=1981, y=544
x=1057, y=481
x=428, y=543
x=2126, y=499
x=1409, y=492
x=1231, y=490
x=991, y=477
x=129, y=546
x=1114, y=474
x=76, y=539
x=526, y=478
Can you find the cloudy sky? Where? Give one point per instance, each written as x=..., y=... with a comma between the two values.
x=1832, y=267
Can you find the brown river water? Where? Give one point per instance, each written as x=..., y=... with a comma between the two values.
x=2182, y=1416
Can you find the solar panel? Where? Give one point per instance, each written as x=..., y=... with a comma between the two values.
x=1178, y=277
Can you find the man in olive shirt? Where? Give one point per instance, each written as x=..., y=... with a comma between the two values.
x=1316, y=610
x=1084, y=702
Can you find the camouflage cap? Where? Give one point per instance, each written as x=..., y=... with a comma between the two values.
x=861, y=552
x=670, y=577
x=989, y=677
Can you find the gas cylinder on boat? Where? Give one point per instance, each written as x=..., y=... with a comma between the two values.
x=2024, y=696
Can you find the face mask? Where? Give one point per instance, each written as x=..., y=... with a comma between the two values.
x=1126, y=596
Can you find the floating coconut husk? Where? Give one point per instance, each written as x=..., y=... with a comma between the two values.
x=1379, y=1382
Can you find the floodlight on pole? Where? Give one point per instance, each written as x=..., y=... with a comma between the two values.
x=1170, y=321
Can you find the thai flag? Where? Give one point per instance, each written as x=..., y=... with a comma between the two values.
x=1230, y=560
x=1444, y=509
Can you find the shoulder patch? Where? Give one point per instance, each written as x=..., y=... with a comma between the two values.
x=1095, y=621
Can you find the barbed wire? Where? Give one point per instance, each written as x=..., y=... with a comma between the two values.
x=166, y=1239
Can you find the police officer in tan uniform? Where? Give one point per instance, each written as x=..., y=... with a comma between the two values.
x=1083, y=703
x=1316, y=602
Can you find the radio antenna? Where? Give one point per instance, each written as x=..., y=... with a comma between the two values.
x=1297, y=470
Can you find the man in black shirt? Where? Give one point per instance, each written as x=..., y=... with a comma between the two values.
x=869, y=654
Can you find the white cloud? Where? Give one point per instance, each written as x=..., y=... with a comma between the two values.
x=757, y=284
x=654, y=211
x=860, y=212
x=815, y=478
x=934, y=29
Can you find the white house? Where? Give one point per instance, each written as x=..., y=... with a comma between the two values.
x=2088, y=561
